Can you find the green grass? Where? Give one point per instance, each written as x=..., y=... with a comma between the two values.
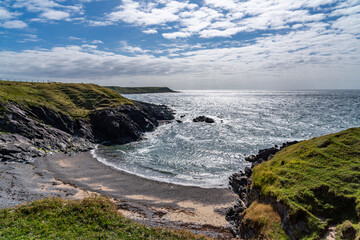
x=74, y=99
x=92, y=218
x=318, y=179
x=341, y=229
x=265, y=220
x=133, y=90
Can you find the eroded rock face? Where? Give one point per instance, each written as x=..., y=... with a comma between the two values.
x=28, y=131
x=127, y=123
x=240, y=183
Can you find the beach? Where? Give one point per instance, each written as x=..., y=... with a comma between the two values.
x=201, y=210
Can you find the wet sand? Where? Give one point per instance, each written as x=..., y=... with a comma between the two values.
x=151, y=202
x=21, y=183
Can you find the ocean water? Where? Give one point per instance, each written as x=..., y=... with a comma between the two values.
x=205, y=155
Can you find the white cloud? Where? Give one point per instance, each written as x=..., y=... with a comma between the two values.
x=55, y=15
x=150, y=31
x=213, y=18
x=50, y=10
x=99, y=23
x=125, y=47
x=319, y=38
x=6, y=22
x=346, y=11
x=75, y=38
x=315, y=52
x=5, y=14
x=29, y=38
x=175, y=35
x=15, y=24
x=146, y=13
x=348, y=24
x=97, y=42
x=88, y=46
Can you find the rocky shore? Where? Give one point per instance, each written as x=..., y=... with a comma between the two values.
x=29, y=131
x=240, y=183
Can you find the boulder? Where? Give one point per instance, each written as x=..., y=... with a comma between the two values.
x=203, y=119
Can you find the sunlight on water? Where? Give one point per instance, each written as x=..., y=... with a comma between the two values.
x=202, y=154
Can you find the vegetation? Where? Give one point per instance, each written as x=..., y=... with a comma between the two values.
x=266, y=220
x=348, y=230
x=133, y=90
x=318, y=179
x=74, y=99
x=91, y=218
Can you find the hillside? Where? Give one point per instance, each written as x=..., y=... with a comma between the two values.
x=138, y=90
x=317, y=180
x=74, y=99
x=92, y=218
x=38, y=118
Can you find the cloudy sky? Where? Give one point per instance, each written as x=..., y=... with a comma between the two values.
x=183, y=44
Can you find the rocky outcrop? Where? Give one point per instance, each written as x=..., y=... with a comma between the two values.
x=240, y=183
x=32, y=131
x=203, y=119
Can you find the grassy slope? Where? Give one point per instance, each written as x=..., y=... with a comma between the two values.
x=265, y=219
x=74, y=99
x=133, y=90
x=92, y=218
x=318, y=179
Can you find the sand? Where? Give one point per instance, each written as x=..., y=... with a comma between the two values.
x=151, y=202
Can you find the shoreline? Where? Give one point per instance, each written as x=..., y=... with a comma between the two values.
x=103, y=161
x=200, y=210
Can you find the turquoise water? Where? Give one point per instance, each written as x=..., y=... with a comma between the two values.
x=205, y=155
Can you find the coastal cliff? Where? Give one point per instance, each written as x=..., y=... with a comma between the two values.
x=38, y=118
x=306, y=190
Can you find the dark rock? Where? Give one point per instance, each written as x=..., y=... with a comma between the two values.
x=203, y=119
x=248, y=171
x=287, y=144
x=238, y=180
x=251, y=158
x=241, y=184
x=32, y=131
x=347, y=230
x=179, y=121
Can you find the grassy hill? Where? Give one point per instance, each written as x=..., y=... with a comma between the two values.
x=318, y=179
x=75, y=99
x=92, y=218
x=138, y=90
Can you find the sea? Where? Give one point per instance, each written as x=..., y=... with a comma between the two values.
x=204, y=154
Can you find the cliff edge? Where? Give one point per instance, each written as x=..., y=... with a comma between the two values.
x=307, y=190
x=40, y=118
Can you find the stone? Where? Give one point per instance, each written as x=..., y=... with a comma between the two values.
x=203, y=119
x=33, y=130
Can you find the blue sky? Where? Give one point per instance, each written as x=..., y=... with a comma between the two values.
x=183, y=44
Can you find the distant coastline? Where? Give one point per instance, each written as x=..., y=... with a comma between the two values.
x=140, y=90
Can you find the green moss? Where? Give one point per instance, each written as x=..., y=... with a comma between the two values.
x=73, y=99
x=92, y=218
x=348, y=230
x=318, y=179
x=133, y=90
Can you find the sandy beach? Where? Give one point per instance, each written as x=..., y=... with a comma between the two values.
x=153, y=203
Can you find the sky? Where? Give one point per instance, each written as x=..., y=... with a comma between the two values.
x=183, y=44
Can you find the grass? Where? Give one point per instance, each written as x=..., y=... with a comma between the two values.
x=318, y=179
x=133, y=90
x=265, y=220
x=344, y=227
x=91, y=218
x=74, y=99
